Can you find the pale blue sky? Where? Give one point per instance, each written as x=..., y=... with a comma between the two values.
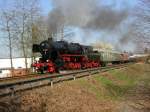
x=47, y=4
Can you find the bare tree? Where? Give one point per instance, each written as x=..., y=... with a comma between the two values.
x=40, y=30
x=26, y=13
x=7, y=26
x=142, y=24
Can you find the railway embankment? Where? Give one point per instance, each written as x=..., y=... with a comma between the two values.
x=122, y=90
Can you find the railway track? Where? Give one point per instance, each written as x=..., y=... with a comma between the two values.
x=9, y=86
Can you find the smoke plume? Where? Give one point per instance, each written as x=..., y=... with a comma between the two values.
x=86, y=14
x=90, y=16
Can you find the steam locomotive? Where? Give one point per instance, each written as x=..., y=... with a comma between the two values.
x=61, y=55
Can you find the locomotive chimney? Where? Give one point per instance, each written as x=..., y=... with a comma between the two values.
x=50, y=40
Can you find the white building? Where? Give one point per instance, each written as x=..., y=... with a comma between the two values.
x=18, y=63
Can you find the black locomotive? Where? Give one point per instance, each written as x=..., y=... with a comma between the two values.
x=63, y=55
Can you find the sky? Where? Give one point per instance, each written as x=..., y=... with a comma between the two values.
x=47, y=6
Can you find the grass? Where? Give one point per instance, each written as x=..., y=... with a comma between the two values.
x=91, y=87
x=116, y=86
x=116, y=89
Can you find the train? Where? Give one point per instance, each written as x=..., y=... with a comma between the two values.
x=62, y=55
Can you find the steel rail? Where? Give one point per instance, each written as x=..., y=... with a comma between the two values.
x=6, y=79
x=26, y=83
